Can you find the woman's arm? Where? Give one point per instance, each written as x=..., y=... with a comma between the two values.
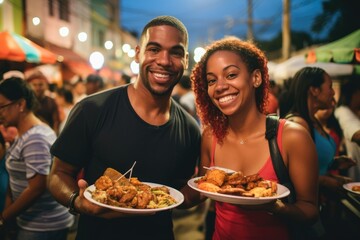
x=300, y=155
x=36, y=187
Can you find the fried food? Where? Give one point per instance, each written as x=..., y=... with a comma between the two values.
x=103, y=183
x=236, y=184
x=215, y=176
x=208, y=186
x=112, y=174
x=356, y=188
x=129, y=193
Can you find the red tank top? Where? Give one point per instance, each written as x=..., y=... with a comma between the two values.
x=232, y=222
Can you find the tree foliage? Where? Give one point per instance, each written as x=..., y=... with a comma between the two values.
x=341, y=16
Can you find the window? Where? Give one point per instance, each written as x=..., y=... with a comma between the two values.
x=64, y=10
x=51, y=7
x=101, y=38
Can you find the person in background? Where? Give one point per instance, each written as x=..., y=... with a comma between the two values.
x=8, y=133
x=331, y=125
x=78, y=90
x=28, y=162
x=65, y=101
x=4, y=180
x=285, y=99
x=94, y=83
x=231, y=84
x=4, y=176
x=312, y=91
x=184, y=95
x=273, y=103
x=47, y=110
x=135, y=122
x=348, y=115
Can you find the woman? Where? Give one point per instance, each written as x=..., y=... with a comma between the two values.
x=312, y=91
x=231, y=84
x=28, y=162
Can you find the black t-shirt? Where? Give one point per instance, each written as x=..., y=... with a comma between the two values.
x=104, y=131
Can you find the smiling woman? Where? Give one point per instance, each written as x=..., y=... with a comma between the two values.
x=231, y=85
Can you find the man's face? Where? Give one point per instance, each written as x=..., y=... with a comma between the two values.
x=39, y=86
x=162, y=57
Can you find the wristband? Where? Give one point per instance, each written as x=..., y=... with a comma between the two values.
x=71, y=203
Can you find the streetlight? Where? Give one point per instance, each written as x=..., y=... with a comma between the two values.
x=96, y=60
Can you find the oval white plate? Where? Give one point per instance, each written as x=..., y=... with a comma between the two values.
x=348, y=187
x=178, y=196
x=227, y=170
x=282, y=192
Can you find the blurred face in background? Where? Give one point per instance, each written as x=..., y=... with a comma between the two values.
x=324, y=114
x=39, y=86
x=355, y=103
x=9, y=111
x=326, y=93
x=79, y=88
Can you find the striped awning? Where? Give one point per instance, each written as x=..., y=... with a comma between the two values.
x=14, y=47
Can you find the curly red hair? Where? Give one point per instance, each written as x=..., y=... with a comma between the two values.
x=210, y=116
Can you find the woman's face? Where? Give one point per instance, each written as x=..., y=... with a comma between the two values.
x=326, y=93
x=324, y=114
x=230, y=85
x=8, y=111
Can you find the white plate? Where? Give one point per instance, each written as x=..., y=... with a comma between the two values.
x=227, y=170
x=173, y=192
x=282, y=192
x=348, y=187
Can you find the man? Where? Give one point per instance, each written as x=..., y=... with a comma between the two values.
x=137, y=122
x=94, y=84
x=47, y=110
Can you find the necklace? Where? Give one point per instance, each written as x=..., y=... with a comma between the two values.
x=245, y=140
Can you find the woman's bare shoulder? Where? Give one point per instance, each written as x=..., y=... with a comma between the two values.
x=299, y=120
x=294, y=131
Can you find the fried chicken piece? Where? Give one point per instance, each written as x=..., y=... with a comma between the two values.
x=135, y=181
x=235, y=178
x=356, y=188
x=261, y=192
x=251, y=178
x=112, y=174
x=103, y=183
x=216, y=176
x=232, y=191
x=209, y=187
x=129, y=192
x=143, y=198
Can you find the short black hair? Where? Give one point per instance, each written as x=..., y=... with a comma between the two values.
x=185, y=82
x=15, y=88
x=166, y=20
x=94, y=78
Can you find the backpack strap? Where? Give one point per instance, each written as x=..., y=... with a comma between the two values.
x=282, y=173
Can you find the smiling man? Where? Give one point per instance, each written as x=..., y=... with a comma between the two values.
x=135, y=122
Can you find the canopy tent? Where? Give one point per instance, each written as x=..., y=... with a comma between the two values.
x=19, y=49
x=344, y=50
x=288, y=68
